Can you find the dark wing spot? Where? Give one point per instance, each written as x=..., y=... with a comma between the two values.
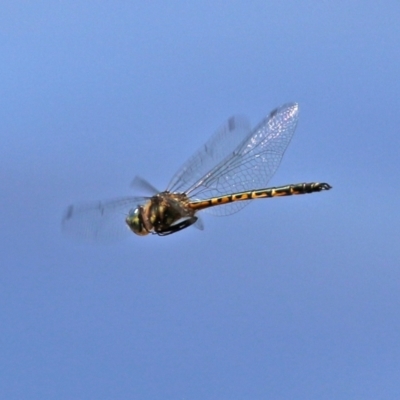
x=231, y=123
x=101, y=208
x=208, y=150
x=69, y=212
x=273, y=113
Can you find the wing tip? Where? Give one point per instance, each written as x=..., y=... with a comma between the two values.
x=291, y=109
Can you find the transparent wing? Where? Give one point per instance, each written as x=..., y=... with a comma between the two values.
x=141, y=185
x=247, y=166
x=100, y=221
x=224, y=141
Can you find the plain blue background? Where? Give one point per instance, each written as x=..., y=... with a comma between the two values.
x=292, y=298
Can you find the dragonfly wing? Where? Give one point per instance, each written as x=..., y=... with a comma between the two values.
x=141, y=185
x=100, y=221
x=220, y=146
x=199, y=224
x=252, y=164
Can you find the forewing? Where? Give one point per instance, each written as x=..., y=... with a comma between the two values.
x=224, y=141
x=100, y=221
x=252, y=163
x=140, y=185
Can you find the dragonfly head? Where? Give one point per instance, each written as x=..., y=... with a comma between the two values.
x=135, y=222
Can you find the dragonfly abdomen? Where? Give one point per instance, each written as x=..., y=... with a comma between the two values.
x=279, y=191
x=289, y=190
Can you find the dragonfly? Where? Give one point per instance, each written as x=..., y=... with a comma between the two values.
x=222, y=177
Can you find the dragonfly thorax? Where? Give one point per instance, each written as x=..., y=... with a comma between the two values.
x=164, y=213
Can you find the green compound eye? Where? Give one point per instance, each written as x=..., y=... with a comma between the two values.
x=135, y=222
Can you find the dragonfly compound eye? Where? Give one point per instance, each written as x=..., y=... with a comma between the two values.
x=135, y=222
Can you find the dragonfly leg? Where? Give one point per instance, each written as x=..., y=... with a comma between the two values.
x=177, y=227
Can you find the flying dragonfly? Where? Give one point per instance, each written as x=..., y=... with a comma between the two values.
x=230, y=170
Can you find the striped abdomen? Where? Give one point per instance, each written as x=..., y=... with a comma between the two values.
x=287, y=190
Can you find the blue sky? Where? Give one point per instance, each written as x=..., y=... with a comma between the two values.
x=290, y=298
